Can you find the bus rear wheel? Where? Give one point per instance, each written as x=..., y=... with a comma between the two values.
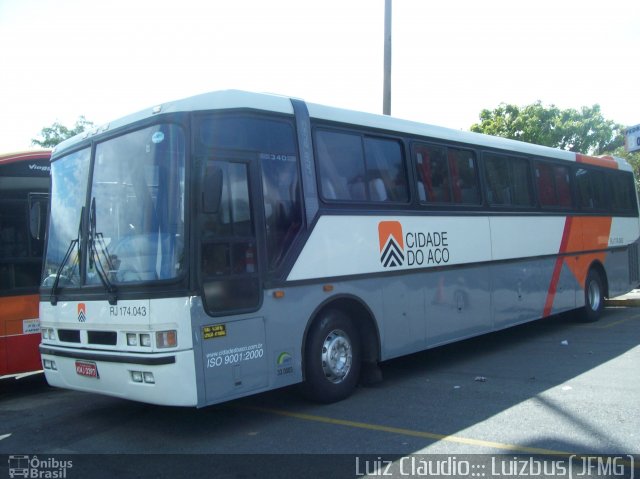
x=593, y=297
x=332, y=358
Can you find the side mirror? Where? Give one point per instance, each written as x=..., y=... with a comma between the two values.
x=212, y=189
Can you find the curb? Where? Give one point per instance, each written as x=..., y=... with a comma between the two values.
x=629, y=303
x=630, y=300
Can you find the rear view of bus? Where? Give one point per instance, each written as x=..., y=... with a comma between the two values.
x=24, y=187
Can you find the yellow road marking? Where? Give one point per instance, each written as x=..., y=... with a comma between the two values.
x=426, y=435
x=615, y=323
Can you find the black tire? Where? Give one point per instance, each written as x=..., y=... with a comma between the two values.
x=332, y=358
x=593, y=297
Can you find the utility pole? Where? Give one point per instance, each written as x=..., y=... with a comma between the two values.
x=386, y=94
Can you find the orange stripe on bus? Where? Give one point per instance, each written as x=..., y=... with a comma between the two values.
x=606, y=161
x=555, y=277
x=587, y=233
x=581, y=233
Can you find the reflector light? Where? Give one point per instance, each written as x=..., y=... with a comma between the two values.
x=166, y=339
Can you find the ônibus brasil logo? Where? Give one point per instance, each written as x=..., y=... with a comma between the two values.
x=413, y=248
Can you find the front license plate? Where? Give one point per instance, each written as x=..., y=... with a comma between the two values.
x=87, y=368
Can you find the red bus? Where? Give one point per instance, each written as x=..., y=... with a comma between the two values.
x=24, y=196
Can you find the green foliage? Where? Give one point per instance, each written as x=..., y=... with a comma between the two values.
x=57, y=133
x=583, y=131
x=632, y=158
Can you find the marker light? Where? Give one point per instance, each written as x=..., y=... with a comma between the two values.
x=167, y=339
x=48, y=333
x=136, y=376
x=49, y=364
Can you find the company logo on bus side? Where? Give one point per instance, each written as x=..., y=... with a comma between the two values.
x=430, y=248
x=82, y=313
x=391, y=243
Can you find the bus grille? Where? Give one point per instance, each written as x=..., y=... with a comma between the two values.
x=69, y=335
x=104, y=338
x=107, y=338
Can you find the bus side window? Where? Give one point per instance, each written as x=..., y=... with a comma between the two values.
x=545, y=184
x=282, y=205
x=341, y=164
x=386, y=172
x=446, y=175
x=508, y=180
x=432, y=171
x=563, y=186
x=497, y=179
x=464, y=176
x=357, y=168
x=621, y=190
x=552, y=183
x=592, y=194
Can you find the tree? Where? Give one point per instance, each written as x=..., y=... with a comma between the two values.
x=57, y=133
x=632, y=158
x=585, y=131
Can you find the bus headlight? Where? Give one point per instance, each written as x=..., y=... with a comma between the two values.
x=166, y=339
x=141, y=339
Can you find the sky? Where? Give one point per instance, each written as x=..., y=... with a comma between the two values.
x=60, y=59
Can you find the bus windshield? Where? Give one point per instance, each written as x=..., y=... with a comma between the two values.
x=134, y=220
x=69, y=182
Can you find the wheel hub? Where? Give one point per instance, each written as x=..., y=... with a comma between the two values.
x=337, y=356
x=594, y=295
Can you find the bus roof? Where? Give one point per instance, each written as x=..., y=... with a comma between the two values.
x=237, y=99
x=6, y=158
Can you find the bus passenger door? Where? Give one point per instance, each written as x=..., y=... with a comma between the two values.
x=233, y=340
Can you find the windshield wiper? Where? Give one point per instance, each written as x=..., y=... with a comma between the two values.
x=74, y=243
x=94, y=257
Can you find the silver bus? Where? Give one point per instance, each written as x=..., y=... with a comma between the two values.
x=232, y=243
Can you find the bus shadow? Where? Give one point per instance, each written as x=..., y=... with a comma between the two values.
x=441, y=391
x=12, y=387
x=453, y=387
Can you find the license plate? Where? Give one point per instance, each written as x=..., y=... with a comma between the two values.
x=87, y=368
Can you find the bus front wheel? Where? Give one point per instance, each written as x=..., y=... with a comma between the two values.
x=332, y=358
x=593, y=297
